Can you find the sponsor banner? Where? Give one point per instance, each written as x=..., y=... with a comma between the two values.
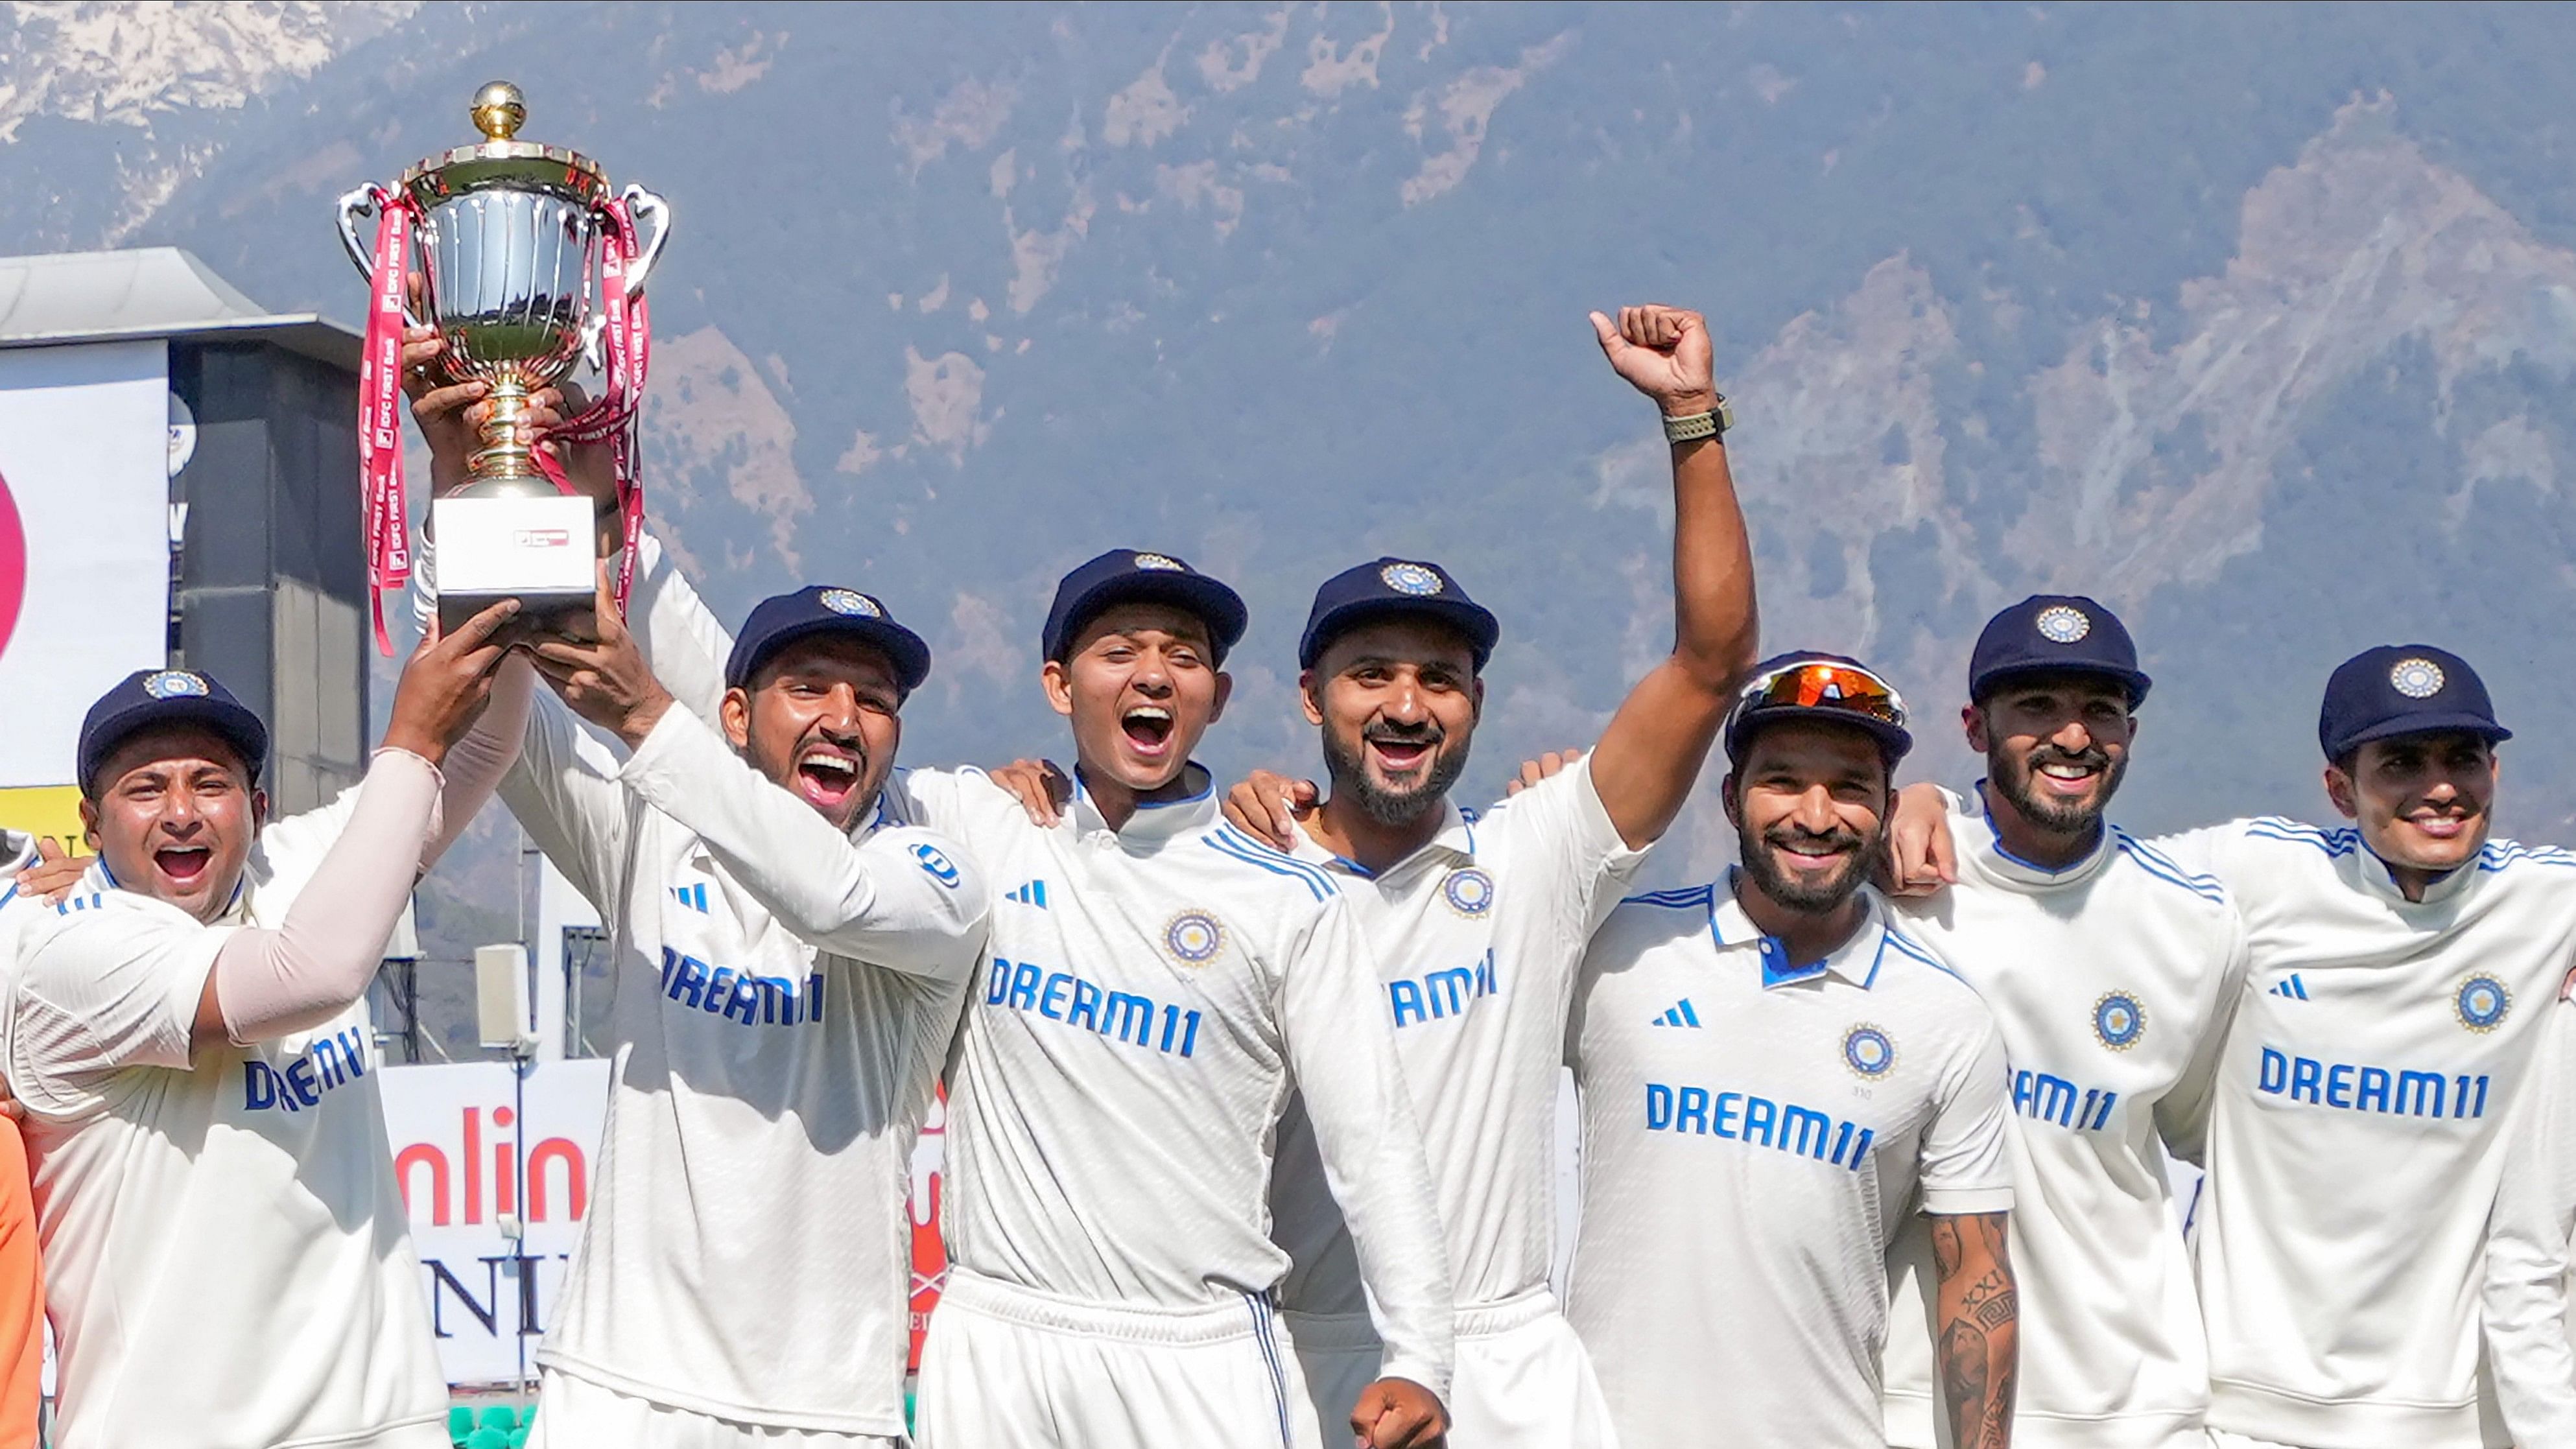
x=496, y=1174
x=929, y=1255
x=483, y=1154
x=84, y=539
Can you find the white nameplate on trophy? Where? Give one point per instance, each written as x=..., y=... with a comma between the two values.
x=540, y=551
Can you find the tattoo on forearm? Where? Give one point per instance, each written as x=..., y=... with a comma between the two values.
x=1963, y=1380
x=1979, y=1338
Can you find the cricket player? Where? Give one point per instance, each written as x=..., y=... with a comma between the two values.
x=1478, y=921
x=1773, y=1075
x=791, y=961
x=226, y=1253
x=789, y=972
x=2111, y=972
x=2399, y=971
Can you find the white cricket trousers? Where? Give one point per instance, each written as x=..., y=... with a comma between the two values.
x=1523, y=1380
x=1007, y=1368
x=575, y=1413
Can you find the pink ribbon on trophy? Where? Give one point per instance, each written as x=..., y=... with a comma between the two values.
x=380, y=410
x=612, y=417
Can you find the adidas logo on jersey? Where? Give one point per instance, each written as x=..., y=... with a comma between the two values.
x=692, y=896
x=1681, y=1013
x=2292, y=987
x=1032, y=894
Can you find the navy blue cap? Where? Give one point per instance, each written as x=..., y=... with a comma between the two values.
x=1752, y=710
x=1390, y=587
x=2403, y=689
x=1125, y=576
x=149, y=697
x=2054, y=634
x=780, y=621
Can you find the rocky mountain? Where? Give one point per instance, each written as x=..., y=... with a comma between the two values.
x=2255, y=322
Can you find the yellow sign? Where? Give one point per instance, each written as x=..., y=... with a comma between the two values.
x=46, y=810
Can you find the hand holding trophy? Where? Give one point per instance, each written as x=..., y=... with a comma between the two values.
x=527, y=263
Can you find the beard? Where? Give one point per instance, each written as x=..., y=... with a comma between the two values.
x=1350, y=773
x=2015, y=779
x=1812, y=898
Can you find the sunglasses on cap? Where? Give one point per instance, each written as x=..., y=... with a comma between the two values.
x=1822, y=685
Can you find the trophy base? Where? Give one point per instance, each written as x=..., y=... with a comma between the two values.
x=538, y=550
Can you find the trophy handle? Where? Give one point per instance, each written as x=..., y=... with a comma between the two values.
x=641, y=203
x=354, y=204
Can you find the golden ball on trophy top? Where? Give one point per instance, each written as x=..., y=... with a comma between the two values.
x=499, y=110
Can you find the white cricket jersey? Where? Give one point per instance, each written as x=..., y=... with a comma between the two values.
x=1154, y=992
x=227, y=1258
x=2110, y=982
x=2355, y=1132
x=2525, y=1297
x=784, y=995
x=1753, y=1133
x=1477, y=936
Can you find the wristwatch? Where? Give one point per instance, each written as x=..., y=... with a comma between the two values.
x=1711, y=424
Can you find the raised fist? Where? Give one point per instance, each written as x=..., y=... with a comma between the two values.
x=1664, y=353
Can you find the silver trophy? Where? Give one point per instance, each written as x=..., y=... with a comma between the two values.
x=508, y=240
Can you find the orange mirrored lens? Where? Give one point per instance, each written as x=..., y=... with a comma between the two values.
x=1832, y=686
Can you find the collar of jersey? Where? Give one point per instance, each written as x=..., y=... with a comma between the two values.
x=1855, y=961
x=2373, y=874
x=1985, y=845
x=1158, y=821
x=1456, y=842
x=99, y=878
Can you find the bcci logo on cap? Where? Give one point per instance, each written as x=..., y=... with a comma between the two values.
x=850, y=602
x=1161, y=563
x=175, y=684
x=1419, y=580
x=2482, y=1003
x=1868, y=1052
x=2416, y=678
x=2118, y=1021
x=1469, y=892
x=2063, y=624
x=1194, y=938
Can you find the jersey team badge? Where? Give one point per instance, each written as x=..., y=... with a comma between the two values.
x=2416, y=678
x=175, y=684
x=2118, y=1020
x=851, y=602
x=1194, y=938
x=2482, y=1003
x=1469, y=892
x=1410, y=578
x=2063, y=624
x=1868, y=1052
